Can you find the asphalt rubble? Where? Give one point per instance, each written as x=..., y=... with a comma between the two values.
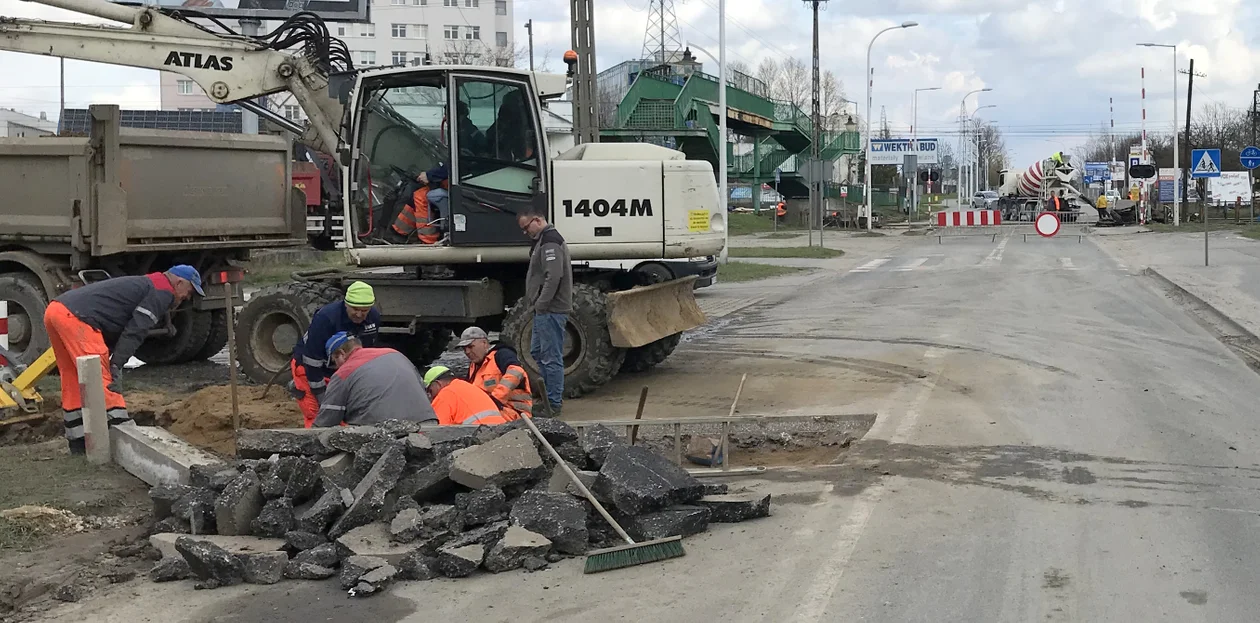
x=371, y=505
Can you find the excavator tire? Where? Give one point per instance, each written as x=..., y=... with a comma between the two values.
x=273, y=321
x=422, y=348
x=218, y=338
x=590, y=359
x=192, y=331
x=646, y=357
x=27, y=337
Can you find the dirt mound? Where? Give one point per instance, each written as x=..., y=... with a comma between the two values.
x=204, y=419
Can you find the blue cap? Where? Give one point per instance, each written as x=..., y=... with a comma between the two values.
x=335, y=342
x=189, y=274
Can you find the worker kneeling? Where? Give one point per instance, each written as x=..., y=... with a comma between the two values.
x=110, y=319
x=371, y=385
x=356, y=315
x=458, y=402
x=496, y=369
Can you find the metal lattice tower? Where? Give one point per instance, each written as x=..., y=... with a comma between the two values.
x=662, y=36
x=884, y=132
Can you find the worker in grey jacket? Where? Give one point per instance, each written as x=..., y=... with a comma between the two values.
x=549, y=288
x=371, y=385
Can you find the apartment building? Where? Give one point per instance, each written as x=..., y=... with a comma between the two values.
x=478, y=32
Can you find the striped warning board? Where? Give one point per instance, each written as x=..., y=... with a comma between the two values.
x=968, y=218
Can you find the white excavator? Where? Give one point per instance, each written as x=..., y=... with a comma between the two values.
x=386, y=125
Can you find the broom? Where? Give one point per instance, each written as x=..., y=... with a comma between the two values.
x=626, y=555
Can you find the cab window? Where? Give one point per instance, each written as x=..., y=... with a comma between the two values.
x=497, y=136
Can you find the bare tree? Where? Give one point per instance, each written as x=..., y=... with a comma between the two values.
x=477, y=52
x=832, y=102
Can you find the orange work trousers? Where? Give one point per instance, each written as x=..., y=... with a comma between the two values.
x=72, y=338
x=307, y=403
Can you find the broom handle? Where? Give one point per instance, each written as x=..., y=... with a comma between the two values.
x=573, y=477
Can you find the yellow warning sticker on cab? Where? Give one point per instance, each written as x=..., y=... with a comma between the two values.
x=697, y=220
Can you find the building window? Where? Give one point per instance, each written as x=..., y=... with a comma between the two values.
x=451, y=32
x=367, y=57
x=454, y=3
x=419, y=31
x=184, y=87
x=472, y=4
x=367, y=30
x=398, y=31
x=292, y=112
x=500, y=39
x=420, y=2
x=500, y=7
x=474, y=32
x=398, y=2
x=341, y=31
x=399, y=58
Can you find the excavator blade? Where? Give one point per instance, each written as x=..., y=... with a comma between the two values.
x=642, y=315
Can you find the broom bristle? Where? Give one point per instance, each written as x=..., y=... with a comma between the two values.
x=637, y=554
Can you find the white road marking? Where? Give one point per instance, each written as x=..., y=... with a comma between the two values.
x=913, y=264
x=1066, y=263
x=995, y=256
x=871, y=265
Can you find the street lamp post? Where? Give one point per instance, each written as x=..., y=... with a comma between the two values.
x=1176, y=143
x=867, y=191
x=914, y=140
x=962, y=120
x=975, y=157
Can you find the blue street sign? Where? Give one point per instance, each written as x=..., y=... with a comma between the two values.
x=1205, y=163
x=1250, y=157
x=778, y=175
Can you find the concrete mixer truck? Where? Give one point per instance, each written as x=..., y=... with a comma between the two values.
x=1025, y=193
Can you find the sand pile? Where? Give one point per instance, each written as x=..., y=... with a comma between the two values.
x=204, y=419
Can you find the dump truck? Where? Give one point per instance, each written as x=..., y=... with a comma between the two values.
x=384, y=126
x=125, y=201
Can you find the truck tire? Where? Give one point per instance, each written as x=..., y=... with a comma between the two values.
x=590, y=359
x=646, y=357
x=422, y=348
x=272, y=321
x=218, y=338
x=27, y=302
x=192, y=329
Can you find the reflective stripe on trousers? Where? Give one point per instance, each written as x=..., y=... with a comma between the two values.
x=72, y=338
x=73, y=420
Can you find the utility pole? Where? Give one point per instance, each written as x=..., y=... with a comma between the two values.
x=585, y=121
x=529, y=27
x=815, y=182
x=1251, y=189
x=1186, y=172
x=61, y=116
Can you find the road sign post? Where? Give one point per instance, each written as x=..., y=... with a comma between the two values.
x=1205, y=163
x=1250, y=158
x=1047, y=224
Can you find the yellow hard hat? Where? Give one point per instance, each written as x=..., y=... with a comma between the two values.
x=434, y=373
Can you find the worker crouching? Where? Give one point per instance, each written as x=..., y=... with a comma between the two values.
x=371, y=385
x=496, y=369
x=460, y=403
x=356, y=315
x=110, y=319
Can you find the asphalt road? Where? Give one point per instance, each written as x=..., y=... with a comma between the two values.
x=1059, y=442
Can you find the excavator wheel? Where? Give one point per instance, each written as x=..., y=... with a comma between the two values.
x=192, y=330
x=590, y=359
x=646, y=357
x=273, y=321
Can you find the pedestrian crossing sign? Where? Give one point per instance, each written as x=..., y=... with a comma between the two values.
x=1207, y=163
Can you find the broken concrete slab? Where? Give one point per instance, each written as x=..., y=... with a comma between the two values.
x=407, y=526
x=164, y=496
x=371, y=452
x=369, y=496
x=274, y=520
x=238, y=505
x=557, y=481
x=477, y=508
x=557, y=432
x=419, y=448
x=485, y=535
x=447, y=439
x=509, y=460
x=418, y=565
x=716, y=488
x=307, y=571
x=374, y=540
x=374, y=581
x=459, y=562
x=336, y=464
x=736, y=507
x=214, y=476
x=316, y=516
x=572, y=453
x=154, y=455
x=596, y=441
x=673, y=521
x=300, y=541
x=354, y=567
x=170, y=569
x=349, y=438
x=303, y=480
x=428, y=482
x=557, y=516
x=173, y=524
x=211, y=562
x=637, y=480
x=264, y=567
x=262, y=443
x=272, y=484
x=164, y=542
x=516, y=545
x=398, y=428
x=534, y=563
x=197, y=507
x=326, y=555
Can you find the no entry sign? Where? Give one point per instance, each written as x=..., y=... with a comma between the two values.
x=1047, y=224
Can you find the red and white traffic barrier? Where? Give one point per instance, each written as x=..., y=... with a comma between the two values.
x=4, y=329
x=968, y=218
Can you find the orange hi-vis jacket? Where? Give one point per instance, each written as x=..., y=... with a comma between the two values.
x=414, y=218
x=502, y=376
x=462, y=403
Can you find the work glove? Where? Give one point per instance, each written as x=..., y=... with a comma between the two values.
x=294, y=391
x=115, y=373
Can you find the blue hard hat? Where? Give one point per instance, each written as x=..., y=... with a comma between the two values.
x=335, y=342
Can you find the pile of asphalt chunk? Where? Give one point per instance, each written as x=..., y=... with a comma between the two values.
x=371, y=505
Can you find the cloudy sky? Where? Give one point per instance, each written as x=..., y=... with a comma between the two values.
x=1052, y=64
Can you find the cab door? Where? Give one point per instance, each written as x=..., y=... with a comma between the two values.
x=498, y=168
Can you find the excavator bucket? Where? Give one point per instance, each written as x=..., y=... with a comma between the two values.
x=19, y=400
x=642, y=315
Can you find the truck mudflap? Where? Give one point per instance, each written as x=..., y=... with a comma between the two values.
x=644, y=314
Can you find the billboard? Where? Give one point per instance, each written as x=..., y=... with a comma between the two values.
x=1097, y=172
x=1231, y=186
x=894, y=150
x=330, y=10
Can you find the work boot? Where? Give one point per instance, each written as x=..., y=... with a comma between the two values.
x=77, y=446
x=555, y=411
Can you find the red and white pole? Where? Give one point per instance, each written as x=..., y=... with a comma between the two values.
x=1142, y=160
x=4, y=329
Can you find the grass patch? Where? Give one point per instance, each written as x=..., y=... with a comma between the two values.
x=780, y=235
x=1252, y=232
x=736, y=272
x=743, y=223
x=272, y=274
x=806, y=252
